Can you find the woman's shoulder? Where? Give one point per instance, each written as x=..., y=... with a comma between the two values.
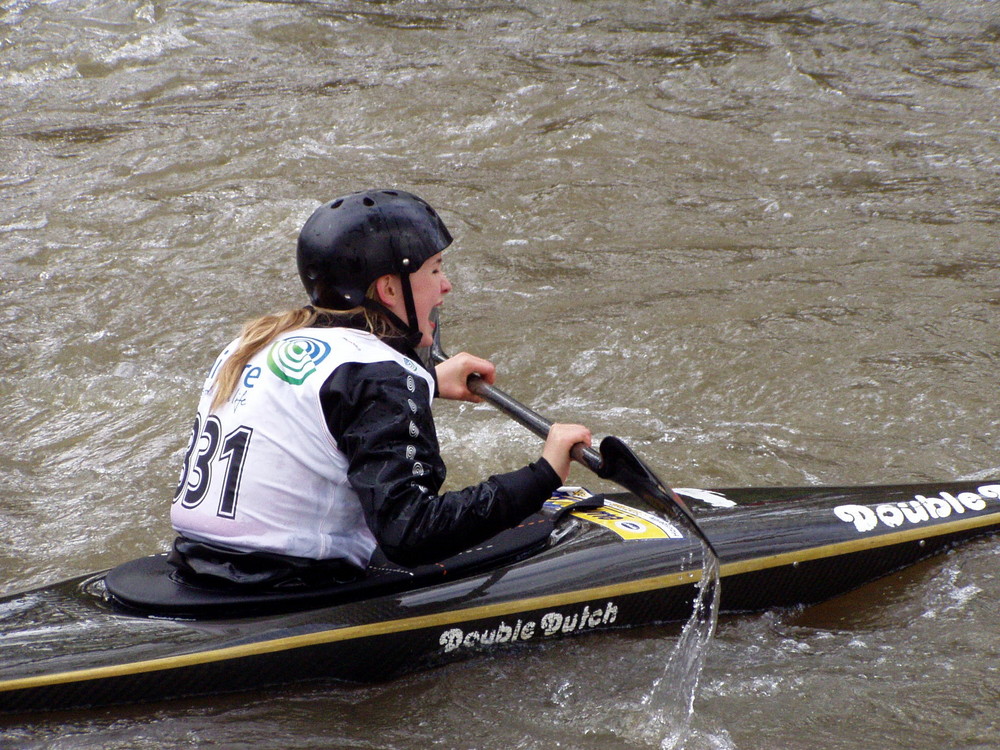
x=337, y=346
x=348, y=341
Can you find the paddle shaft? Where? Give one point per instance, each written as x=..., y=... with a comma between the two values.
x=529, y=418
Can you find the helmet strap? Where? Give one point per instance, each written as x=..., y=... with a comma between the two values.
x=413, y=329
x=409, y=335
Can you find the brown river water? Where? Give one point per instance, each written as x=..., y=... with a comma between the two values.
x=758, y=241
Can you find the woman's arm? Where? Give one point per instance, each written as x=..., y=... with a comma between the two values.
x=387, y=434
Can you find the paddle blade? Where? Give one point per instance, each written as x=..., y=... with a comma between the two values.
x=620, y=464
x=619, y=461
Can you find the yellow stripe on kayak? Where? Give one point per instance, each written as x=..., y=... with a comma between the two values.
x=494, y=610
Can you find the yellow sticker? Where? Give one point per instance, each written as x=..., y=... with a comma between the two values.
x=627, y=522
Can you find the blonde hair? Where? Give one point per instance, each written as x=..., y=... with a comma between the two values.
x=258, y=334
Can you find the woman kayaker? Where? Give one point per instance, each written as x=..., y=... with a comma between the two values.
x=314, y=441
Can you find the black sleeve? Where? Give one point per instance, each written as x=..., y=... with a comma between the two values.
x=380, y=416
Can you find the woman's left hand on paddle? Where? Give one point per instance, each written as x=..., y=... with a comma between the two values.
x=453, y=376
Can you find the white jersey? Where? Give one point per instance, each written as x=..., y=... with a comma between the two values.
x=264, y=472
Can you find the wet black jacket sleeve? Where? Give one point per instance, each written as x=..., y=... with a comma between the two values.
x=380, y=416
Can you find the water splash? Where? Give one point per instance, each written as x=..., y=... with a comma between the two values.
x=663, y=715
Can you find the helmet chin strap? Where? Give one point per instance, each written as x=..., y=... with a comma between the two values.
x=411, y=309
x=412, y=328
x=410, y=332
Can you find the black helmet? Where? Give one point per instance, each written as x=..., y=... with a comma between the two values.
x=350, y=242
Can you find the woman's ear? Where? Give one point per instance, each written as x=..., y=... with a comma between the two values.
x=388, y=290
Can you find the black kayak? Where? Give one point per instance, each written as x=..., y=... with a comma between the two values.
x=586, y=563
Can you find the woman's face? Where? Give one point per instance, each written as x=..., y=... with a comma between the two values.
x=429, y=285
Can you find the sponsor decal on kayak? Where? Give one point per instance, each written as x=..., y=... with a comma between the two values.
x=711, y=497
x=628, y=523
x=918, y=510
x=548, y=625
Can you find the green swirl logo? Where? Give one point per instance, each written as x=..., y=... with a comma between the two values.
x=295, y=358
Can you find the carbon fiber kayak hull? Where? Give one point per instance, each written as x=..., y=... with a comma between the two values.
x=75, y=644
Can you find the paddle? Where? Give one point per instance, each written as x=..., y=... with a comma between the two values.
x=615, y=461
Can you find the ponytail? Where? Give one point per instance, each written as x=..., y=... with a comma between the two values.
x=258, y=335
